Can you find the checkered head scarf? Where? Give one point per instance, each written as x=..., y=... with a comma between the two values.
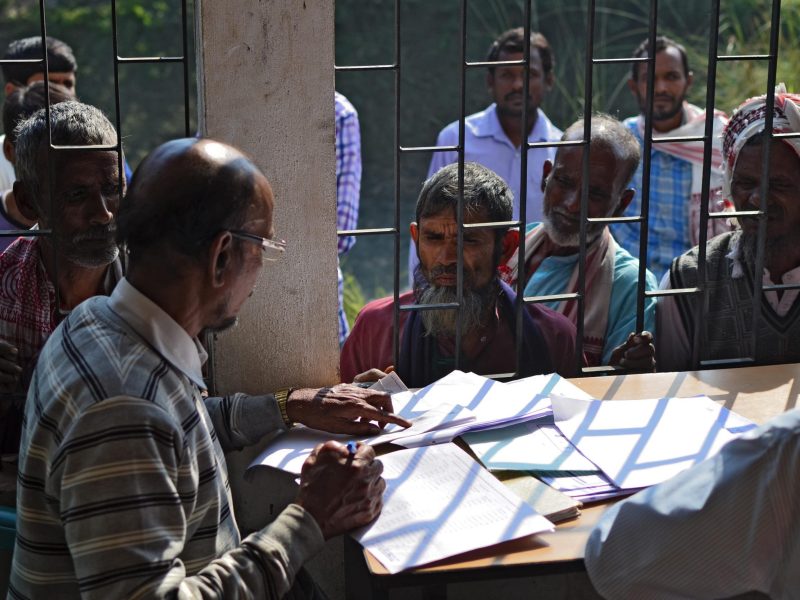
x=748, y=120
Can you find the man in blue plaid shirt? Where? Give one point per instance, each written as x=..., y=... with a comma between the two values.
x=675, y=167
x=348, y=186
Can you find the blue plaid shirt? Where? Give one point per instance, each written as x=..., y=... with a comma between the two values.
x=348, y=186
x=670, y=192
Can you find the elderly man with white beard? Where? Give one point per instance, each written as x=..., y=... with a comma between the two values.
x=427, y=337
x=552, y=247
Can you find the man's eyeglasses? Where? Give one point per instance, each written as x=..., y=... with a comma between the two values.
x=273, y=249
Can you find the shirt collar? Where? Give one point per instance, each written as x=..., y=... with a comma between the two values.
x=488, y=125
x=160, y=330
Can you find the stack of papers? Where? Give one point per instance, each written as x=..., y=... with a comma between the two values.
x=430, y=513
x=593, y=450
x=450, y=407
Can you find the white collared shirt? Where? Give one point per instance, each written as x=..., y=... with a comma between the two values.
x=160, y=330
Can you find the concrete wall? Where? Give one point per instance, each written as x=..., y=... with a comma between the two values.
x=266, y=85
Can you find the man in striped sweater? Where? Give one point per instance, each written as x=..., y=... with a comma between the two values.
x=123, y=489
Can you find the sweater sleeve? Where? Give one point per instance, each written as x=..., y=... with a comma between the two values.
x=241, y=420
x=125, y=479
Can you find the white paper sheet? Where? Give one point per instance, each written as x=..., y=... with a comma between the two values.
x=431, y=512
x=534, y=445
x=638, y=443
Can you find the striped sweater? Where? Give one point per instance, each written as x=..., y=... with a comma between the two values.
x=123, y=489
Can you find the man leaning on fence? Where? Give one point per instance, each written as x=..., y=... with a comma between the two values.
x=727, y=317
x=44, y=276
x=488, y=323
x=123, y=484
x=494, y=137
x=611, y=273
x=676, y=168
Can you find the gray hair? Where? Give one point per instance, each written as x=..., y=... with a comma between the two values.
x=483, y=190
x=608, y=132
x=72, y=124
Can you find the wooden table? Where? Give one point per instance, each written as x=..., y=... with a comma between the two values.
x=757, y=393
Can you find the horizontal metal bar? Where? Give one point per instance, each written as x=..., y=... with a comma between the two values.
x=440, y=306
x=150, y=59
x=557, y=144
x=780, y=287
x=25, y=232
x=495, y=63
x=784, y=136
x=429, y=148
x=675, y=292
x=612, y=61
x=726, y=57
x=21, y=61
x=678, y=138
x=743, y=213
x=493, y=225
x=632, y=219
x=723, y=362
x=553, y=298
x=365, y=67
x=357, y=232
x=601, y=370
x=720, y=215
x=89, y=148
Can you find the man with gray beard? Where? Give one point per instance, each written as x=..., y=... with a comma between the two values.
x=726, y=328
x=427, y=337
x=612, y=274
x=79, y=259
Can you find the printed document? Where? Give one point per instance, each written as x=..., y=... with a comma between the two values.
x=430, y=512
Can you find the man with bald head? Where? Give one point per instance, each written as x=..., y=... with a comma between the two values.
x=124, y=489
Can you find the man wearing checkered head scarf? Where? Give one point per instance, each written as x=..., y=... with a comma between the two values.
x=726, y=328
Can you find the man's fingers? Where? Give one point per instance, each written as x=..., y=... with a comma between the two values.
x=384, y=405
x=10, y=366
x=8, y=351
x=367, y=376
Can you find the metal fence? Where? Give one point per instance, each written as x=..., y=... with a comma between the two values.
x=700, y=292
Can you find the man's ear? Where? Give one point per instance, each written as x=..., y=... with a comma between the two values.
x=510, y=245
x=689, y=79
x=220, y=259
x=9, y=88
x=547, y=168
x=25, y=203
x=624, y=200
x=414, y=229
x=8, y=150
x=633, y=86
x=490, y=83
x=549, y=81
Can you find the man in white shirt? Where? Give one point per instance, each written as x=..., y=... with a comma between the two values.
x=726, y=326
x=726, y=527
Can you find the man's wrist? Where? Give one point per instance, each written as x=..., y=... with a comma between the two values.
x=282, y=398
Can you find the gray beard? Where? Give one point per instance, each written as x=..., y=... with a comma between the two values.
x=476, y=304
x=94, y=260
x=568, y=240
x=748, y=244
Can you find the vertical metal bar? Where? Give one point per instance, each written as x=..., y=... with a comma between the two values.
x=711, y=86
x=766, y=147
x=522, y=274
x=118, y=118
x=462, y=113
x=396, y=274
x=644, y=226
x=185, y=46
x=50, y=153
x=587, y=136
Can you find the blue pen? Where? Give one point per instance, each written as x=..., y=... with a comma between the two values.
x=351, y=449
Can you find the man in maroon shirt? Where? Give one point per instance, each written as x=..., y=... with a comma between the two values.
x=488, y=324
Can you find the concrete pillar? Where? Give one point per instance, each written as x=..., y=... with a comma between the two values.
x=266, y=84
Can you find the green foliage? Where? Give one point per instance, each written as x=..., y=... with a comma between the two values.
x=430, y=79
x=353, y=297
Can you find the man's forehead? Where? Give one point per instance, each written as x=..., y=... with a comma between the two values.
x=445, y=221
x=74, y=165
x=536, y=59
